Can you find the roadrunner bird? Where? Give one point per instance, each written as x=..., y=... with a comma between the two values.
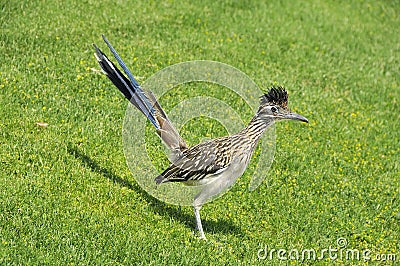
x=215, y=164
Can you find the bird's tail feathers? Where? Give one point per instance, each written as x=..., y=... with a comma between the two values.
x=146, y=102
x=167, y=131
x=130, y=89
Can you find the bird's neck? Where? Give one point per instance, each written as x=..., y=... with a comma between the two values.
x=256, y=127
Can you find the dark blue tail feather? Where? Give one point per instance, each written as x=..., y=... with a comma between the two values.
x=129, y=88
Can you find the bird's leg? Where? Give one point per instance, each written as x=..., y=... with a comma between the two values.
x=198, y=222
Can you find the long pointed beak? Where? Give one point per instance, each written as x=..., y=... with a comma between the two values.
x=295, y=116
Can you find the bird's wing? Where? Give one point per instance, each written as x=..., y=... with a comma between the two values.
x=144, y=101
x=198, y=162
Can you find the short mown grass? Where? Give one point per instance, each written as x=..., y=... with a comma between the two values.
x=67, y=195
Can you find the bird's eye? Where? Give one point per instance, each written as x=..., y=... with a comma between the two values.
x=274, y=109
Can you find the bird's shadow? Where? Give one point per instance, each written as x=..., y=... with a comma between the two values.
x=221, y=226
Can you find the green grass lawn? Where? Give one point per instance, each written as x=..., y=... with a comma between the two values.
x=67, y=195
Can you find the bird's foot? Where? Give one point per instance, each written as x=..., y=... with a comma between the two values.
x=203, y=237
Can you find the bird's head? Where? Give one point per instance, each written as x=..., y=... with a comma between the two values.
x=273, y=105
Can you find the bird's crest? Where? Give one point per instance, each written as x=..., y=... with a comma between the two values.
x=276, y=96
